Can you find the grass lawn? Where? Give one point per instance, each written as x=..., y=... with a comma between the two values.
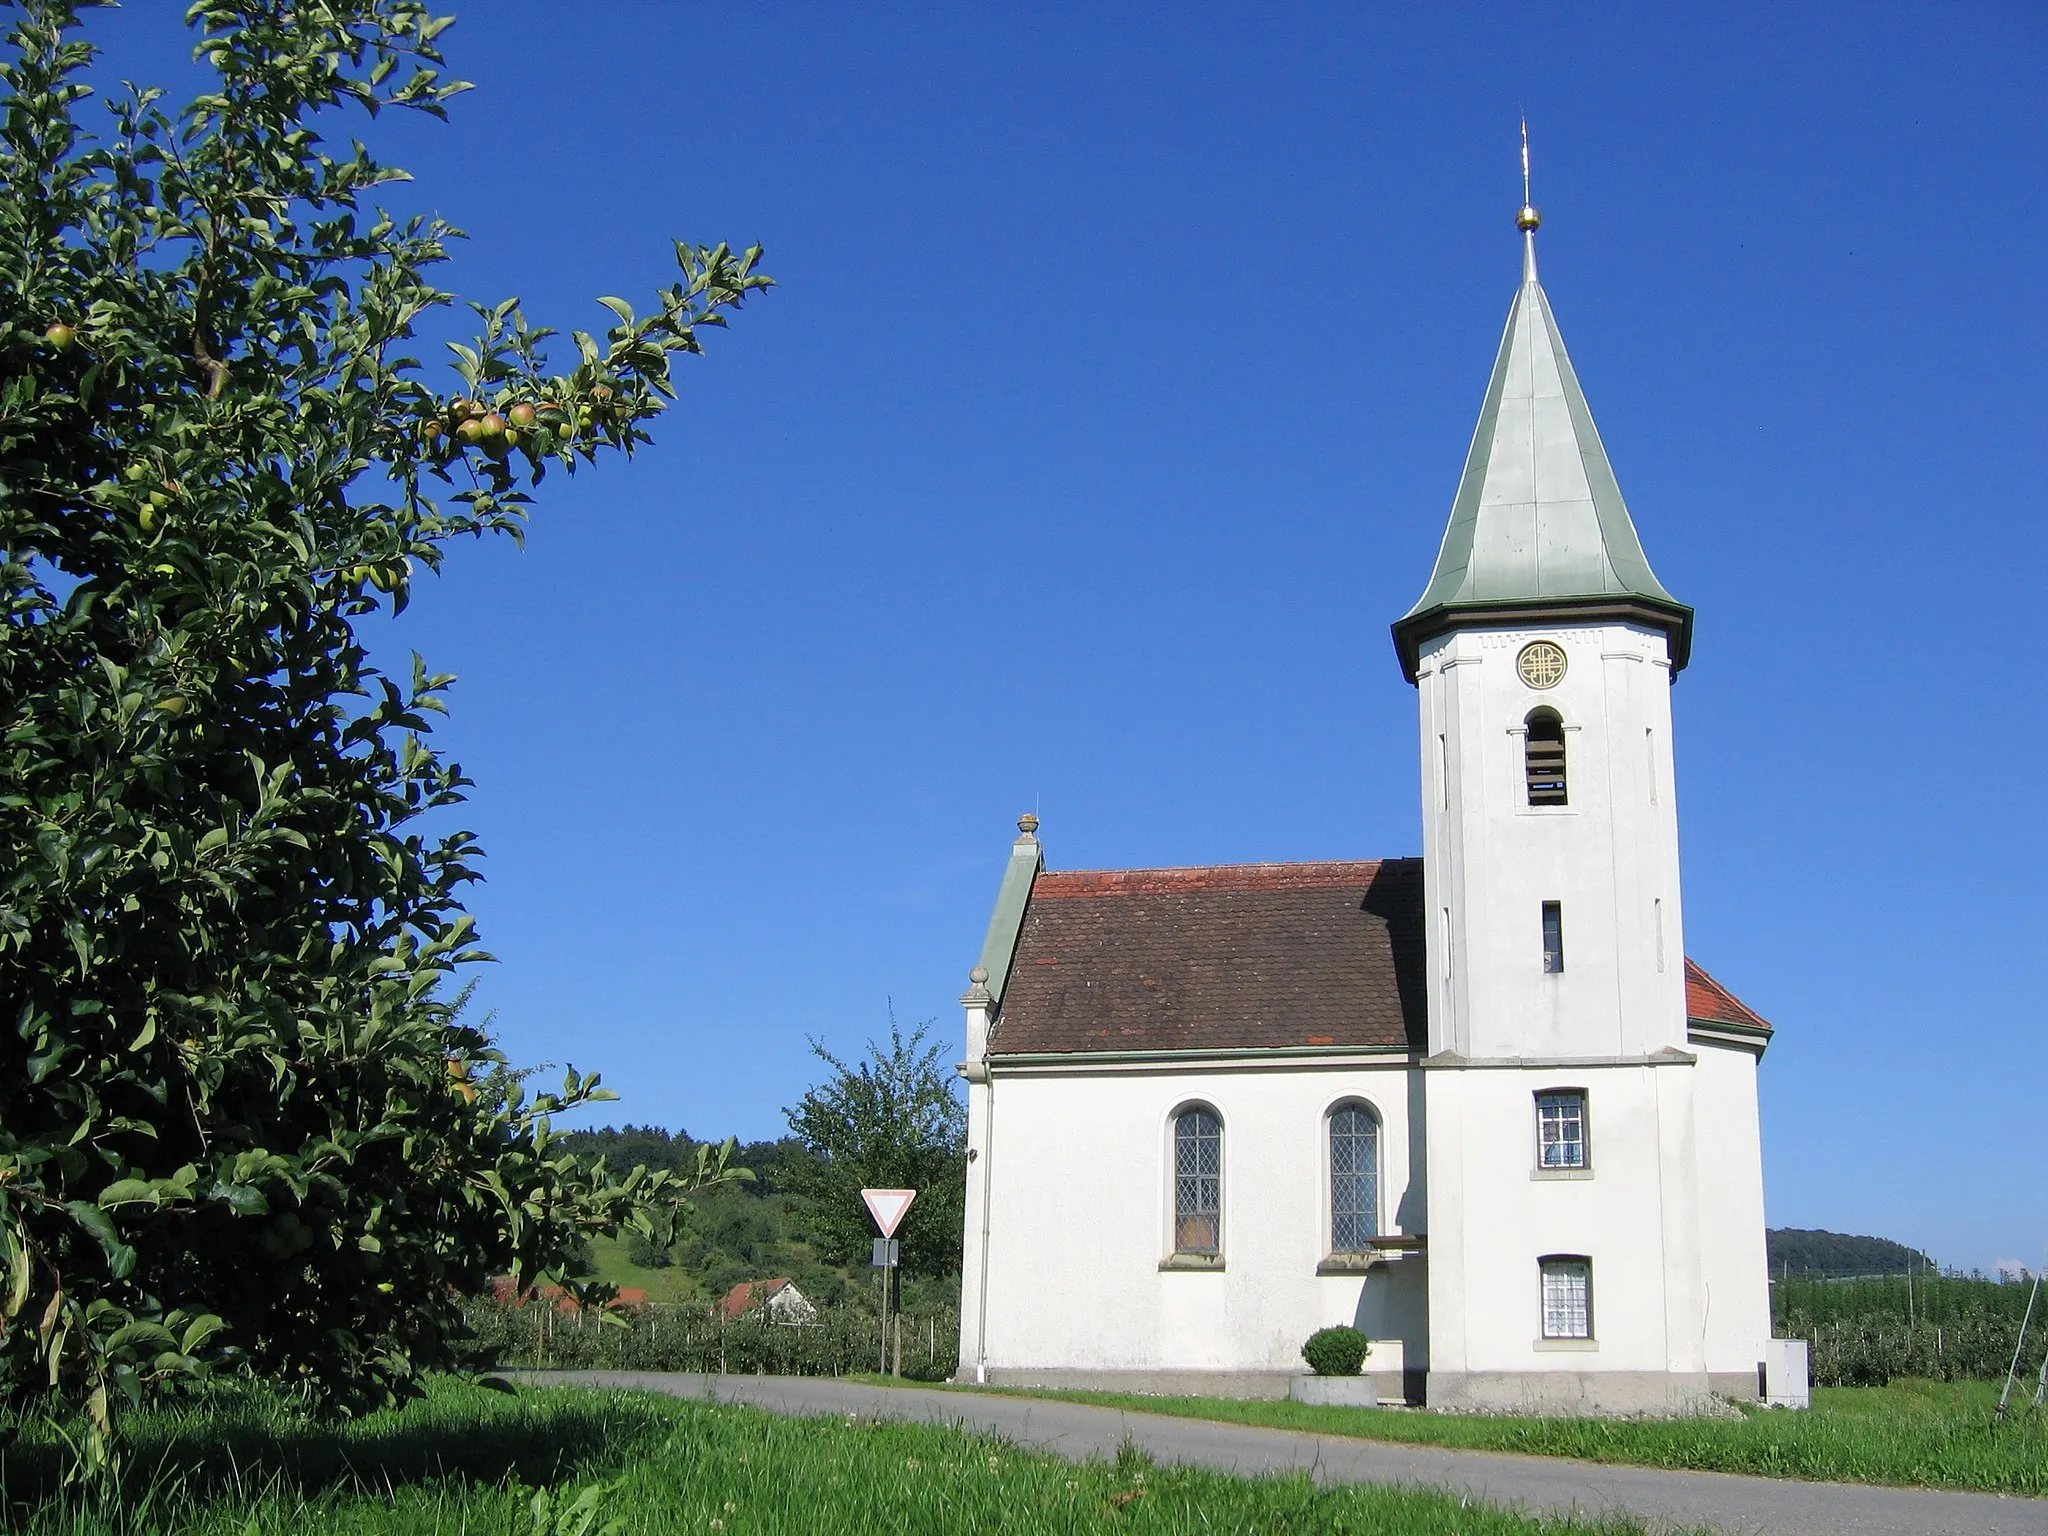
x=1917, y=1433
x=470, y=1461
x=674, y=1285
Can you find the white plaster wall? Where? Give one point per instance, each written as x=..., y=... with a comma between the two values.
x=1078, y=1178
x=1493, y=1216
x=1734, y=1267
x=974, y=1225
x=1609, y=856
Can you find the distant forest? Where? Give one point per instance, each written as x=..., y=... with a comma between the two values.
x=1795, y=1251
x=746, y=1231
x=626, y=1145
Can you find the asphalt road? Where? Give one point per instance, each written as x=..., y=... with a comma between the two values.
x=1741, y=1506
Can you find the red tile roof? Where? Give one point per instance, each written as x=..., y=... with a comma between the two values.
x=503, y=1290
x=747, y=1295
x=1711, y=1003
x=1223, y=957
x=1236, y=957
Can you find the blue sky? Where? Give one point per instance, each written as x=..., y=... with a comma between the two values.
x=1110, y=410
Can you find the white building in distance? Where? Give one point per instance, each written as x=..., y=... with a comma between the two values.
x=1478, y=1105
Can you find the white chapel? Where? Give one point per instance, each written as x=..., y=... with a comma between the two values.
x=1479, y=1105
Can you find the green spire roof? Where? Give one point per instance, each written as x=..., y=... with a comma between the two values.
x=1539, y=529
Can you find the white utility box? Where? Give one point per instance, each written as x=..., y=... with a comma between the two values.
x=1788, y=1383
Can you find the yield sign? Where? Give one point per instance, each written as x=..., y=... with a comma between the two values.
x=887, y=1207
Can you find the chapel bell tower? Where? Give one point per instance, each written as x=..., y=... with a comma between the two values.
x=1543, y=652
x=1566, y=1268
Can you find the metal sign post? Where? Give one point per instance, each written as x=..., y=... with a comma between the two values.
x=884, y=1260
x=887, y=1207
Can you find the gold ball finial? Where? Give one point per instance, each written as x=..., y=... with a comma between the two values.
x=1528, y=219
x=1027, y=823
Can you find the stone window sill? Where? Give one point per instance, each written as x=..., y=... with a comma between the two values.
x=1577, y=1346
x=1390, y=1246
x=1349, y=1263
x=1540, y=1175
x=1200, y=1262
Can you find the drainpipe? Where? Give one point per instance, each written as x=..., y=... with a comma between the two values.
x=987, y=1188
x=977, y=1002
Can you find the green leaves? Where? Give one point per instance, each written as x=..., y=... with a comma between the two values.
x=239, y=1124
x=891, y=1121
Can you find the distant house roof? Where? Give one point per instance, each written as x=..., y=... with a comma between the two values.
x=504, y=1290
x=749, y=1294
x=1222, y=957
x=1236, y=957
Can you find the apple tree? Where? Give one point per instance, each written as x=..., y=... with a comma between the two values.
x=240, y=1121
x=892, y=1120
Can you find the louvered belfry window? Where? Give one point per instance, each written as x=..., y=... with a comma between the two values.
x=1197, y=1182
x=1544, y=761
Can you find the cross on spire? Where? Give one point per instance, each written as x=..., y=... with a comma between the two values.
x=1527, y=220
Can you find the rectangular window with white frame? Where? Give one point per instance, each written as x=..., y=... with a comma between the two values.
x=1561, y=1141
x=1567, y=1296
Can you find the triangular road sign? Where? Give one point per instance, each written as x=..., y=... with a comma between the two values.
x=887, y=1207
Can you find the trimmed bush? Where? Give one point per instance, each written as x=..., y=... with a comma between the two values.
x=1336, y=1351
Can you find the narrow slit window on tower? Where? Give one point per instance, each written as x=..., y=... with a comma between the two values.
x=1543, y=761
x=1553, y=938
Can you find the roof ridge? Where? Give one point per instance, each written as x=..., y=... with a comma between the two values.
x=1315, y=875
x=1181, y=869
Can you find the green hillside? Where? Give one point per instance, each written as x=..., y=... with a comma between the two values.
x=748, y=1231
x=1796, y=1251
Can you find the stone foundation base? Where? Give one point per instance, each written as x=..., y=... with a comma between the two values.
x=1163, y=1383
x=1563, y=1393
x=1373, y=1386
x=1742, y=1386
x=1591, y=1394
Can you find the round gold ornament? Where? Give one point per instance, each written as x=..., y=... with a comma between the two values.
x=1541, y=664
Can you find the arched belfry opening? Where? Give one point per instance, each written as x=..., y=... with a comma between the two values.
x=1543, y=762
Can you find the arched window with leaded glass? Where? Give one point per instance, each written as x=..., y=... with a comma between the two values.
x=1198, y=1181
x=1354, y=1178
